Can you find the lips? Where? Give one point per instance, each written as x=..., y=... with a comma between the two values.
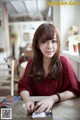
x=49, y=51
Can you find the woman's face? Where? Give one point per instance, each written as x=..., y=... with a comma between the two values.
x=48, y=47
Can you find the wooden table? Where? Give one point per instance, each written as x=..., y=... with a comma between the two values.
x=67, y=110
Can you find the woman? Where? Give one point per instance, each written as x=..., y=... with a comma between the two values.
x=48, y=73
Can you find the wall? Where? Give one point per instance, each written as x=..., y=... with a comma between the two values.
x=64, y=17
x=67, y=16
x=56, y=16
x=77, y=14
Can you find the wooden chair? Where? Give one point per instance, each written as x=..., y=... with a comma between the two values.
x=7, y=79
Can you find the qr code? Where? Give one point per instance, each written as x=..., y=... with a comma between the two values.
x=6, y=113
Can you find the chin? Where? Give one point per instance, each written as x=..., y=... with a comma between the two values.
x=49, y=56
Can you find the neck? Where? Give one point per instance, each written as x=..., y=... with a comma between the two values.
x=46, y=60
x=46, y=65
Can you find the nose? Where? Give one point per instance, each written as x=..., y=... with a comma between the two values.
x=49, y=44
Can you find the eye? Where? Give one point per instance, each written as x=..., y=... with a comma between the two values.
x=54, y=41
x=43, y=42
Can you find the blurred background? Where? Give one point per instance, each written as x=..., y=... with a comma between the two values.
x=20, y=18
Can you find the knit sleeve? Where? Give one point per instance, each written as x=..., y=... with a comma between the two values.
x=70, y=81
x=24, y=82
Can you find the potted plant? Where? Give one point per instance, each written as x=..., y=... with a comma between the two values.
x=75, y=42
x=78, y=41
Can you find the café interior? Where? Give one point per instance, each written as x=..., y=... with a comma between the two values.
x=18, y=22
x=19, y=19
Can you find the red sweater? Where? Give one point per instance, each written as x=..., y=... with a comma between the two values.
x=66, y=81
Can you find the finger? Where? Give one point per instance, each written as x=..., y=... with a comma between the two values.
x=37, y=105
x=38, y=110
x=48, y=109
x=41, y=108
x=30, y=107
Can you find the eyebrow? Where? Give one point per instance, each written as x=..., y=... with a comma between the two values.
x=54, y=39
x=49, y=39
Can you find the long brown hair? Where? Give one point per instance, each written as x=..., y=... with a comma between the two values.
x=37, y=70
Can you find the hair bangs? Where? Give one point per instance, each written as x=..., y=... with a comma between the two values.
x=47, y=35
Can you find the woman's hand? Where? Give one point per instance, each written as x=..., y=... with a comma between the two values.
x=28, y=102
x=30, y=106
x=45, y=104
